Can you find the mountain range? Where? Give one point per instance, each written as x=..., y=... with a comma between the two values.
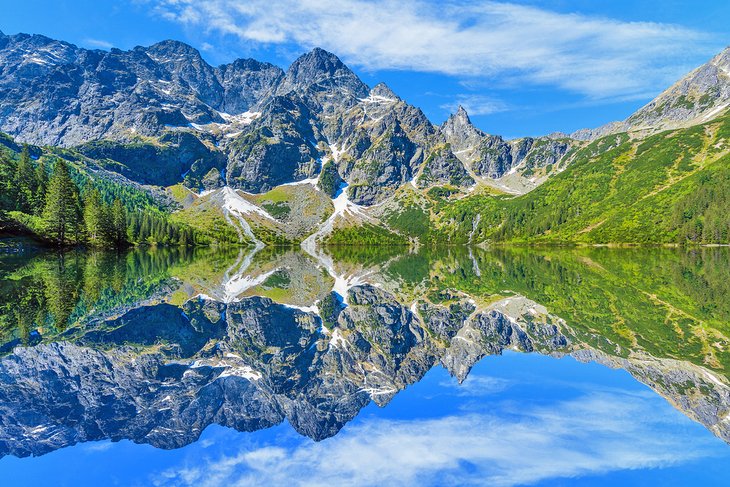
x=310, y=152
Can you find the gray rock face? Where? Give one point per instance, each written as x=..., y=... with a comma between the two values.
x=276, y=148
x=493, y=157
x=443, y=167
x=246, y=124
x=323, y=81
x=180, y=155
x=460, y=132
x=381, y=142
x=245, y=83
x=253, y=126
x=55, y=93
x=702, y=94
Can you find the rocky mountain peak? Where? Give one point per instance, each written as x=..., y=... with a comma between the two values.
x=310, y=67
x=460, y=132
x=698, y=97
x=383, y=90
x=459, y=119
x=171, y=50
x=321, y=71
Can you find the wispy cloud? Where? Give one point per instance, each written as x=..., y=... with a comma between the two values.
x=101, y=44
x=98, y=446
x=590, y=435
x=476, y=104
x=595, y=56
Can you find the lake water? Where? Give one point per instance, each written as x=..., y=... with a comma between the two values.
x=365, y=366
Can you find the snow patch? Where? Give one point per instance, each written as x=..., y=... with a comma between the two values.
x=372, y=391
x=343, y=206
x=306, y=309
x=312, y=181
x=378, y=99
x=711, y=114
x=337, y=340
x=244, y=118
x=240, y=283
x=241, y=371
x=235, y=203
x=336, y=152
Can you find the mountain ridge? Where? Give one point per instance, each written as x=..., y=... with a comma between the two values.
x=127, y=96
x=157, y=115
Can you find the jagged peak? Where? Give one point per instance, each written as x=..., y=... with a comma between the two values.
x=459, y=118
x=249, y=63
x=461, y=114
x=173, y=46
x=320, y=67
x=318, y=59
x=383, y=90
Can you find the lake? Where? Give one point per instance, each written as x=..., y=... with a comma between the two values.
x=365, y=366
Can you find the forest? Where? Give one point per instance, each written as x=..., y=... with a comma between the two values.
x=54, y=202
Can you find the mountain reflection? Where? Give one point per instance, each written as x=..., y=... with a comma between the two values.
x=155, y=345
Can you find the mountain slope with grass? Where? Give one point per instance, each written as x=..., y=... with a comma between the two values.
x=668, y=188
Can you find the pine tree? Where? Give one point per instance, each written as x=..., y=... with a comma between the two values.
x=41, y=187
x=119, y=223
x=62, y=215
x=94, y=217
x=25, y=183
x=6, y=195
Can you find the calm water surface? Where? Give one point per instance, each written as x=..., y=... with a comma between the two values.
x=365, y=367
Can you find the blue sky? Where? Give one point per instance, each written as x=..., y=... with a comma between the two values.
x=517, y=419
x=520, y=68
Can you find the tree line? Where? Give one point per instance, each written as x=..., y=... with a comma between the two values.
x=57, y=209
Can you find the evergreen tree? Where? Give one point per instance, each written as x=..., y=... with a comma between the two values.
x=119, y=223
x=62, y=214
x=41, y=182
x=94, y=218
x=6, y=196
x=25, y=182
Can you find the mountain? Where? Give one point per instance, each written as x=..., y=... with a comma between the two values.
x=375, y=168
x=700, y=96
x=490, y=156
x=247, y=124
x=54, y=93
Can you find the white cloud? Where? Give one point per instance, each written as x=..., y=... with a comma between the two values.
x=98, y=43
x=476, y=105
x=598, y=57
x=591, y=435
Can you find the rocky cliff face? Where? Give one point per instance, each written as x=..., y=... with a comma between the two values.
x=698, y=97
x=54, y=93
x=493, y=157
x=162, y=115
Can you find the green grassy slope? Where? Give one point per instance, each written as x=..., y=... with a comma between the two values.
x=668, y=188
